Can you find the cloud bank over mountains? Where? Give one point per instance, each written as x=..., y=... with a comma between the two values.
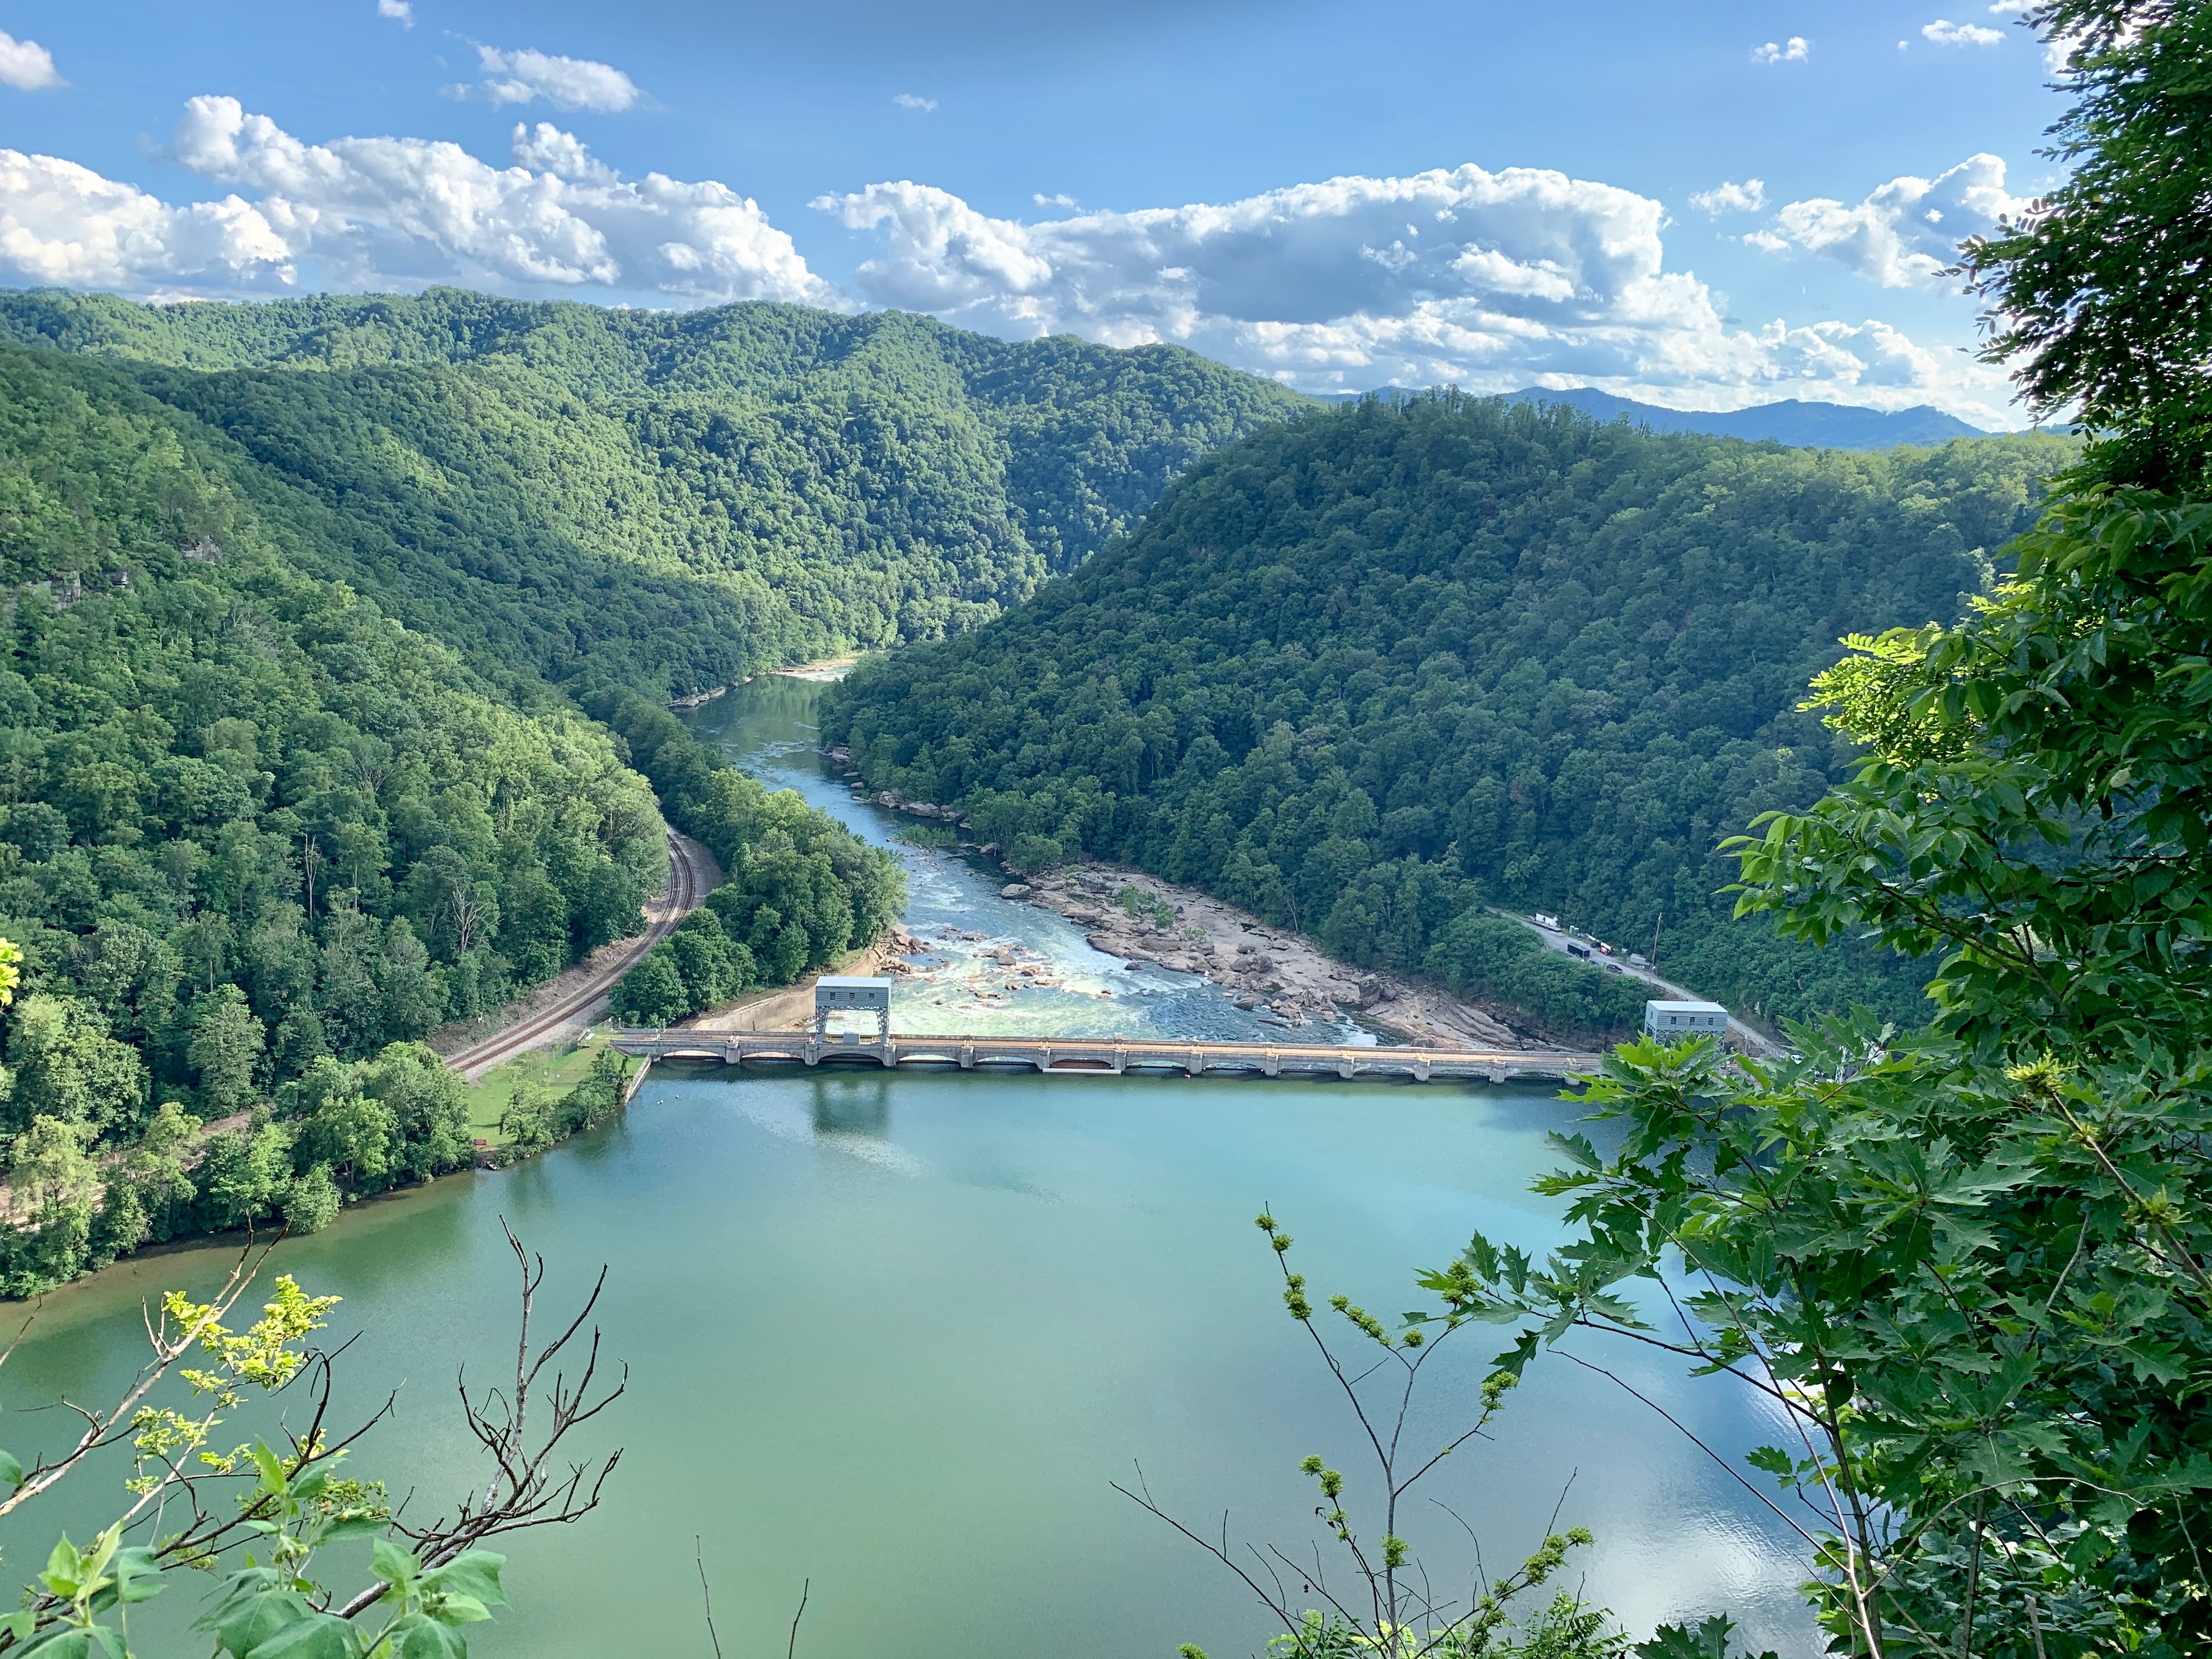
x=1491, y=280
x=368, y=212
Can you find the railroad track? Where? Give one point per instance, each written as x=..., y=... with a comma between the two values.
x=686, y=888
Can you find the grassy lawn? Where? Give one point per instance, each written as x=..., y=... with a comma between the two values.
x=556, y=1068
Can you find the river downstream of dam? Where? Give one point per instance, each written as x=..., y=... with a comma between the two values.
x=895, y=1337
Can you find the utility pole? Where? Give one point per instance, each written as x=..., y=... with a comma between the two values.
x=1655, y=939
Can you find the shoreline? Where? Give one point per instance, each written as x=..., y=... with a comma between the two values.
x=1274, y=969
x=1277, y=968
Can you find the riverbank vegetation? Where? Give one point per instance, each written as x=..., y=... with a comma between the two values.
x=799, y=891
x=1371, y=669
x=1965, y=1268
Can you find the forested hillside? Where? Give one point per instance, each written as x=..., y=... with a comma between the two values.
x=314, y=609
x=665, y=500
x=1367, y=671
x=254, y=830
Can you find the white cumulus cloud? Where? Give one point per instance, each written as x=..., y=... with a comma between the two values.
x=1490, y=281
x=1749, y=197
x=517, y=77
x=26, y=65
x=65, y=224
x=400, y=11
x=1945, y=33
x=914, y=100
x=361, y=213
x=1904, y=233
x=1795, y=50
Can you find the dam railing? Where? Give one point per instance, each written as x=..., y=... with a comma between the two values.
x=1104, y=1056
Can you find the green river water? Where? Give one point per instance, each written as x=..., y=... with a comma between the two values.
x=897, y=1336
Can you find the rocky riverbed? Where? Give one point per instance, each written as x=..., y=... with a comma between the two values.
x=1139, y=918
x=1283, y=975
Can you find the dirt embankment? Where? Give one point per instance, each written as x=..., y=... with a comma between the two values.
x=1139, y=918
x=792, y=1007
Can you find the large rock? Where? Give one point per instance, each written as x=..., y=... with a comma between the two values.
x=1016, y=889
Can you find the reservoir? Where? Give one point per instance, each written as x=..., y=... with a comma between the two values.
x=894, y=1338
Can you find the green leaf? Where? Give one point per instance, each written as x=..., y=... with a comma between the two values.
x=272, y=1470
x=417, y=1638
x=395, y=1564
x=64, y=1571
x=1708, y=1640
x=10, y=1470
x=318, y=1636
x=1576, y=1147
x=137, y=1575
x=460, y=1610
x=62, y=1642
x=259, y=1619
x=18, y=1624
x=77, y=1642
x=1773, y=1459
x=472, y=1573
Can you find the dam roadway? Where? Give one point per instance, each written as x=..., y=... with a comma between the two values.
x=1106, y=1056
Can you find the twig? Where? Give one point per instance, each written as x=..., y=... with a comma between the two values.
x=1699, y=1445
x=707, y=1596
x=804, y=1587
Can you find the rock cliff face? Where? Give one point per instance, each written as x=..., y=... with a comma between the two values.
x=1141, y=918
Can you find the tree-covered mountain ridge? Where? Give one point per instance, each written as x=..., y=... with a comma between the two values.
x=1812, y=424
x=665, y=500
x=258, y=838
x=1370, y=671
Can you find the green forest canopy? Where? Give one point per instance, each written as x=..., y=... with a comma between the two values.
x=314, y=609
x=252, y=827
x=1369, y=669
x=664, y=501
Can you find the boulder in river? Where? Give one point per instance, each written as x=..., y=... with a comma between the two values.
x=1016, y=889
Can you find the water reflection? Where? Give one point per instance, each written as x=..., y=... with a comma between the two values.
x=852, y=1105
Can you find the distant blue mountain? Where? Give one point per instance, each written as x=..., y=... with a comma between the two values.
x=1828, y=425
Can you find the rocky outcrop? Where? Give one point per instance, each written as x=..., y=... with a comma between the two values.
x=1265, y=967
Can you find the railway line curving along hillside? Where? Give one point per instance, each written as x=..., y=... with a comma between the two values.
x=689, y=880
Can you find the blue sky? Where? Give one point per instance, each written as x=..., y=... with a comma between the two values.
x=1338, y=196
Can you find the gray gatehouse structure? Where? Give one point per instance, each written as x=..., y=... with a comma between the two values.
x=1685, y=1019
x=844, y=993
